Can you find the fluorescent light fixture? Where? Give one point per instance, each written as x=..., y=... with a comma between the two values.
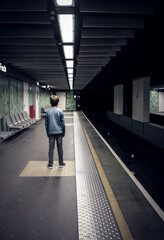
x=70, y=75
x=64, y=2
x=68, y=52
x=70, y=70
x=69, y=64
x=66, y=24
x=71, y=84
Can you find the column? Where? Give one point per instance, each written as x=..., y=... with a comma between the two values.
x=118, y=99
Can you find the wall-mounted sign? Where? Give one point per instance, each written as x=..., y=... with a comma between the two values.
x=3, y=68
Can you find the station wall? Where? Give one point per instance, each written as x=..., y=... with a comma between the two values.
x=17, y=95
x=148, y=131
x=66, y=100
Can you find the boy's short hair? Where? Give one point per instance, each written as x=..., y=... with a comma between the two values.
x=54, y=100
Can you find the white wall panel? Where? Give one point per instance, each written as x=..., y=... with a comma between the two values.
x=141, y=90
x=62, y=100
x=161, y=101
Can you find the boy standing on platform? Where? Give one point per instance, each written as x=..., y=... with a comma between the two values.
x=55, y=128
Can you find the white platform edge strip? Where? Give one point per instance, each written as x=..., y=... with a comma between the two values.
x=138, y=184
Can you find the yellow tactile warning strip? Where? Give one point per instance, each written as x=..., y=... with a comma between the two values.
x=69, y=124
x=39, y=169
x=123, y=227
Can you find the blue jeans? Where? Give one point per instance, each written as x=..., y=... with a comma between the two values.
x=59, y=141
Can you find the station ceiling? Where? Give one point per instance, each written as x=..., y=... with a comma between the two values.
x=30, y=39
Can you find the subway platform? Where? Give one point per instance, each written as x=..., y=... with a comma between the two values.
x=93, y=197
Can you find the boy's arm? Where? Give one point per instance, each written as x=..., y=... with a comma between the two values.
x=63, y=123
x=46, y=123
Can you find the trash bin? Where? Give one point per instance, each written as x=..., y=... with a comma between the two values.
x=32, y=111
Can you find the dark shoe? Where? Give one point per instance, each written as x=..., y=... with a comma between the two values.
x=50, y=165
x=61, y=165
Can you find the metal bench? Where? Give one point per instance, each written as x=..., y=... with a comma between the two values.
x=19, y=120
x=27, y=118
x=11, y=125
x=4, y=135
x=14, y=121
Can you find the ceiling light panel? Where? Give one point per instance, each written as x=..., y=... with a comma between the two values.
x=64, y=2
x=69, y=64
x=66, y=24
x=71, y=84
x=70, y=75
x=68, y=52
x=70, y=71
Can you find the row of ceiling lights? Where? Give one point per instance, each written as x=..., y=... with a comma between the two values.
x=66, y=26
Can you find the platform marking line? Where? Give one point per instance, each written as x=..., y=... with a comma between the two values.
x=69, y=124
x=68, y=117
x=155, y=206
x=39, y=169
x=123, y=227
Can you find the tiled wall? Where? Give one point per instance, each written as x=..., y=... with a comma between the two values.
x=154, y=101
x=70, y=101
x=11, y=93
x=12, y=97
x=44, y=99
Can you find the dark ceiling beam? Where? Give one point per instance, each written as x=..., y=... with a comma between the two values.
x=117, y=6
x=98, y=67
x=107, y=33
x=84, y=78
x=90, y=64
x=58, y=77
x=15, y=59
x=84, y=74
x=21, y=62
x=28, y=41
x=16, y=48
x=38, y=64
x=23, y=6
x=92, y=59
x=25, y=18
x=103, y=42
x=113, y=22
x=35, y=54
x=50, y=79
x=43, y=74
x=84, y=71
x=97, y=54
x=27, y=32
x=99, y=49
x=80, y=80
x=41, y=67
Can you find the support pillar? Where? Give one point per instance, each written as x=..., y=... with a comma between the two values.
x=118, y=99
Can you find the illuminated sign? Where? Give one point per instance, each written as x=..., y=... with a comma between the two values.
x=3, y=68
